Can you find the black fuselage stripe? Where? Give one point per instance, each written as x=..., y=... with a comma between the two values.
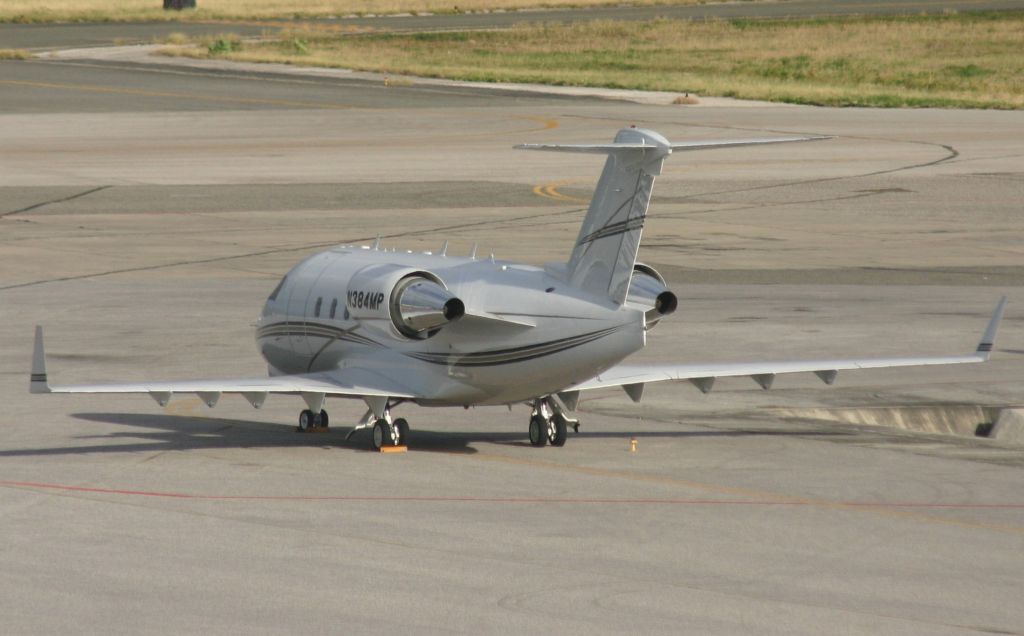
x=515, y=352
x=300, y=329
x=469, y=359
x=466, y=361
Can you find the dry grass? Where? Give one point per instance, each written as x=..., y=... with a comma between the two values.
x=950, y=60
x=130, y=10
x=14, y=54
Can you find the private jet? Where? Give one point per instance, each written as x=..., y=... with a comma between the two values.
x=393, y=328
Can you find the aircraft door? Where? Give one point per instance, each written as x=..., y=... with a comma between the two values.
x=300, y=302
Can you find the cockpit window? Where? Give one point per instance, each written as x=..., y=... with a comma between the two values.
x=273, y=294
x=334, y=307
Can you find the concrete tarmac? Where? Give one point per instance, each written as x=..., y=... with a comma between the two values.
x=145, y=213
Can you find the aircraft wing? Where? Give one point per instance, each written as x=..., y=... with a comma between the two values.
x=633, y=377
x=313, y=387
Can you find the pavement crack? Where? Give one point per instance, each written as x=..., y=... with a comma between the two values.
x=952, y=153
x=36, y=206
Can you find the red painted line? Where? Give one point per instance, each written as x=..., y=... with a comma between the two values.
x=501, y=500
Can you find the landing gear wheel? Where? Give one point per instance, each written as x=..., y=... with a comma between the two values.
x=557, y=433
x=402, y=431
x=323, y=420
x=381, y=435
x=538, y=431
x=305, y=420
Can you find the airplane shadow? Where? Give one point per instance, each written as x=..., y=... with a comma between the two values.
x=180, y=432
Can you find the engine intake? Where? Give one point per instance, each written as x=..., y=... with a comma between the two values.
x=420, y=305
x=647, y=289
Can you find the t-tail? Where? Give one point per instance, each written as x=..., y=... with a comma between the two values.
x=604, y=256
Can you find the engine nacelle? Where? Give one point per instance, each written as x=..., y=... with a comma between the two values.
x=420, y=305
x=415, y=301
x=647, y=290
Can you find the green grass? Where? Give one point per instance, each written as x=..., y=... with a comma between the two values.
x=14, y=54
x=31, y=11
x=971, y=60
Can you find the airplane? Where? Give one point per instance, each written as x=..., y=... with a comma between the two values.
x=433, y=329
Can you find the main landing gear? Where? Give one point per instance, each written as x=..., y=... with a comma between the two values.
x=548, y=424
x=386, y=431
x=309, y=420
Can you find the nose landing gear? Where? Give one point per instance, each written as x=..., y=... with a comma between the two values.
x=548, y=423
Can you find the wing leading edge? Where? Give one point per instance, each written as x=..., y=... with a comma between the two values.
x=633, y=377
x=313, y=387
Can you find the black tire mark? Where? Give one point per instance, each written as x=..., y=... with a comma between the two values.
x=54, y=201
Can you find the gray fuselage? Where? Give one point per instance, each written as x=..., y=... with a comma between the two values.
x=525, y=332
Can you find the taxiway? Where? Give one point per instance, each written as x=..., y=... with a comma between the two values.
x=146, y=212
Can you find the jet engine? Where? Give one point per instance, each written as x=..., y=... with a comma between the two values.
x=647, y=290
x=420, y=305
x=415, y=301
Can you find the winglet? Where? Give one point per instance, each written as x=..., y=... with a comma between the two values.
x=37, y=381
x=984, y=349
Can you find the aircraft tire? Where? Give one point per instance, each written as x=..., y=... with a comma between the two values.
x=557, y=432
x=324, y=419
x=305, y=420
x=402, y=428
x=538, y=431
x=381, y=435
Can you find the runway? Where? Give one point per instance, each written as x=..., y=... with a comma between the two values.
x=145, y=213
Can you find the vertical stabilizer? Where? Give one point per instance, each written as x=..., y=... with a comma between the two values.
x=605, y=252
x=602, y=259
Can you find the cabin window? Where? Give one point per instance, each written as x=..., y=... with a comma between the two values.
x=334, y=307
x=277, y=290
x=316, y=310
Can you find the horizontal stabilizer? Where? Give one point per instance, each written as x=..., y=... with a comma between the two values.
x=711, y=144
x=597, y=149
x=684, y=146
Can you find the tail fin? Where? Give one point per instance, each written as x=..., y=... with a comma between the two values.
x=602, y=260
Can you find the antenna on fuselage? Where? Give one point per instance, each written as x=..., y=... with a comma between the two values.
x=472, y=252
x=444, y=249
x=376, y=244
